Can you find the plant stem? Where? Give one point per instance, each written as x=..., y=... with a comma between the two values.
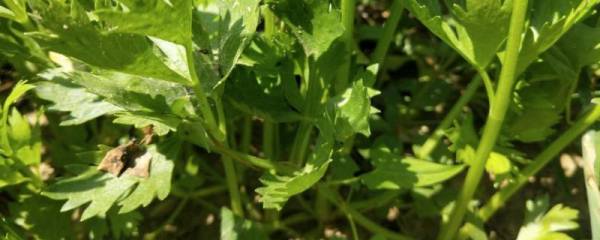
x=207, y=114
x=229, y=167
x=348, y=9
x=313, y=97
x=268, y=144
x=487, y=82
x=251, y=160
x=246, y=135
x=432, y=142
x=494, y=122
x=269, y=19
x=497, y=200
x=383, y=44
x=360, y=219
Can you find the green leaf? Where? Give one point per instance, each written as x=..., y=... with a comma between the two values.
x=25, y=141
x=103, y=190
x=18, y=90
x=261, y=95
x=278, y=189
x=162, y=124
x=164, y=19
x=158, y=184
x=392, y=171
x=352, y=108
x=537, y=105
x=580, y=46
x=81, y=105
x=83, y=40
x=552, y=19
x=6, y=13
x=314, y=22
x=476, y=29
x=224, y=28
x=126, y=91
x=18, y=8
x=9, y=176
x=540, y=224
x=234, y=227
x=590, y=144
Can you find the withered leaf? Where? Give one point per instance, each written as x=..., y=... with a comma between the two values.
x=140, y=166
x=116, y=159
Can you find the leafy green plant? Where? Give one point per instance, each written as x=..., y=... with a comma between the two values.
x=355, y=116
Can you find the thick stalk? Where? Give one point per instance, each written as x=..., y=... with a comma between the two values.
x=494, y=122
x=348, y=9
x=499, y=199
x=432, y=142
x=383, y=44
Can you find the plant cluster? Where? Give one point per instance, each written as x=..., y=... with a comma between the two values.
x=299, y=119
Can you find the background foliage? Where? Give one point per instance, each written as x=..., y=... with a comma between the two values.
x=299, y=119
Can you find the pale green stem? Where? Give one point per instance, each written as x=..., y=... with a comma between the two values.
x=494, y=122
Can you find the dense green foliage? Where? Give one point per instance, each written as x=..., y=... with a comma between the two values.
x=299, y=119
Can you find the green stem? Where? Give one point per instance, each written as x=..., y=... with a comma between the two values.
x=251, y=160
x=352, y=226
x=383, y=44
x=348, y=9
x=494, y=122
x=246, y=135
x=205, y=109
x=487, y=82
x=359, y=218
x=229, y=167
x=497, y=200
x=432, y=142
x=313, y=97
x=269, y=19
x=268, y=150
